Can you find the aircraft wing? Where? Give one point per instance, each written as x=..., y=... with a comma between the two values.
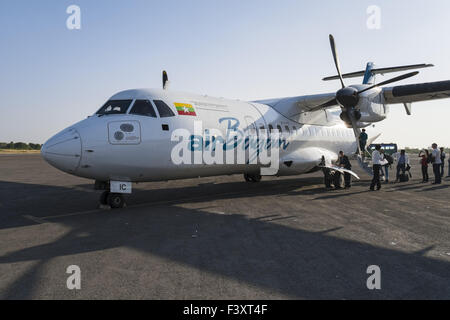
x=304, y=103
x=417, y=92
x=392, y=95
x=405, y=94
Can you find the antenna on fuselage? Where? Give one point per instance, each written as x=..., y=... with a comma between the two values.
x=165, y=80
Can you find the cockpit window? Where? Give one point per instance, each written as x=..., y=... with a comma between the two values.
x=143, y=108
x=163, y=109
x=115, y=107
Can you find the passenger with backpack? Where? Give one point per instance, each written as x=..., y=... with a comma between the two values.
x=425, y=159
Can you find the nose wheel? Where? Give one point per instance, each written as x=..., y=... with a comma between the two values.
x=114, y=200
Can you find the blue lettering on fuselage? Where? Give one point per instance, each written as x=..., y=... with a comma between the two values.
x=233, y=138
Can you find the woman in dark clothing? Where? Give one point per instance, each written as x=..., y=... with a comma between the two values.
x=425, y=155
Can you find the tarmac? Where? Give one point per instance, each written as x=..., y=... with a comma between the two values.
x=221, y=238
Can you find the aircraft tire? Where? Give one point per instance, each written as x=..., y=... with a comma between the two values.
x=252, y=177
x=115, y=200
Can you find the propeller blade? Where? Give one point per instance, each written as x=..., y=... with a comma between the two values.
x=165, y=79
x=356, y=131
x=402, y=77
x=336, y=59
x=325, y=105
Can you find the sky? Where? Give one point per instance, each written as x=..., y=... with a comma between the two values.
x=52, y=77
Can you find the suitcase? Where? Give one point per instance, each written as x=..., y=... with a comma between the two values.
x=404, y=177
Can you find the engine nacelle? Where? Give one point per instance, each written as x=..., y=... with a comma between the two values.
x=371, y=108
x=359, y=124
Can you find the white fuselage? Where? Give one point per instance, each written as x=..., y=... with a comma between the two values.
x=130, y=147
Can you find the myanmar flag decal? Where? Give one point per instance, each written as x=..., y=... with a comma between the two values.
x=185, y=109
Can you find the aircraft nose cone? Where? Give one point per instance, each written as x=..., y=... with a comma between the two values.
x=63, y=151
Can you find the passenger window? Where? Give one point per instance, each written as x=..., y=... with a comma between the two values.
x=279, y=129
x=143, y=108
x=287, y=129
x=306, y=132
x=163, y=109
x=270, y=127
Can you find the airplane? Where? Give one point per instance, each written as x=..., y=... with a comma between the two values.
x=131, y=138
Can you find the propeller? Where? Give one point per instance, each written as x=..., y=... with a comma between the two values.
x=165, y=80
x=348, y=97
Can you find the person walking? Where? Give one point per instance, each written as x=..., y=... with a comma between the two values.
x=377, y=162
x=436, y=156
x=424, y=155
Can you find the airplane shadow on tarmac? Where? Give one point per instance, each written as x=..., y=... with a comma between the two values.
x=258, y=252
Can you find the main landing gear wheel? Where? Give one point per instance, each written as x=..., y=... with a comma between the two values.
x=252, y=177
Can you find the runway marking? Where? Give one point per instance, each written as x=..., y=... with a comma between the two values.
x=35, y=219
x=79, y=213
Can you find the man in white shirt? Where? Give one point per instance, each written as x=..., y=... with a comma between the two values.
x=436, y=154
x=377, y=162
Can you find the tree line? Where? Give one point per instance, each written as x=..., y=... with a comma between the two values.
x=20, y=146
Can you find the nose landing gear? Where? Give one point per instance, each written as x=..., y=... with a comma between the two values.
x=112, y=196
x=114, y=200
